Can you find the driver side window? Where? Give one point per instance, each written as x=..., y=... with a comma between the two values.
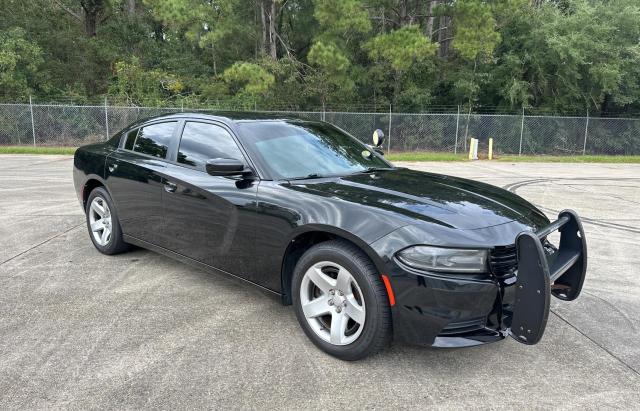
x=202, y=141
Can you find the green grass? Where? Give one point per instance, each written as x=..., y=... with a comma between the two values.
x=428, y=156
x=425, y=156
x=570, y=159
x=36, y=150
x=394, y=156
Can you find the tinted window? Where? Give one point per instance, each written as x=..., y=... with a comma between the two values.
x=201, y=142
x=154, y=139
x=131, y=138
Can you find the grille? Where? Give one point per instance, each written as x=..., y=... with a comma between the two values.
x=459, y=327
x=503, y=260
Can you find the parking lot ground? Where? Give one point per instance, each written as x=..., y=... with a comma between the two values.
x=82, y=330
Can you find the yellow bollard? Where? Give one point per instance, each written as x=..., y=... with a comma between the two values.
x=471, y=144
x=490, y=149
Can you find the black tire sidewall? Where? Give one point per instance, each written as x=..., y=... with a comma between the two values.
x=374, y=304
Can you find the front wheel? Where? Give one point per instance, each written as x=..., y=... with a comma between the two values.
x=340, y=301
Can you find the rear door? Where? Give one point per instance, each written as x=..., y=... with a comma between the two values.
x=210, y=218
x=134, y=177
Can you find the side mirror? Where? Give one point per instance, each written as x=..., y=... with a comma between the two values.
x=376, y=149
x=378, y=138
x=225, y=167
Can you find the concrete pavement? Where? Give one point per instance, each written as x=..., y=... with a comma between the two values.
x=82, y=330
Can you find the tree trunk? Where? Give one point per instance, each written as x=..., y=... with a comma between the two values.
x=429, y=26
x=272, y=31
x=397, y=87
x=606, y=104
x=402, y=13
x=92, y=9
x=131, y=7
x=90, y=24
x=263, y=17
x=443, y=38
x=158, y=31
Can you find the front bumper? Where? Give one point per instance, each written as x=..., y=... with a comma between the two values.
x=456, y=311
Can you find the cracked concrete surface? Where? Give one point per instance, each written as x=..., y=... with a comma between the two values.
x=82, y=330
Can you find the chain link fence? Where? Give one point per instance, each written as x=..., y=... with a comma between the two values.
x=73, y=125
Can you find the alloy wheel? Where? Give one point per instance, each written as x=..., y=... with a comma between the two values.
x=332, y=303
x=100, y=221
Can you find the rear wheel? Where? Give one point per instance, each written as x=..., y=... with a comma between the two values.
x=102, y=223
x=340, y=301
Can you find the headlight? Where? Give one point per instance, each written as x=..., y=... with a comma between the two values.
x=427, y=258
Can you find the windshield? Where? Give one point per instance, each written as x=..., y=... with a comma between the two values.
x=290, y=149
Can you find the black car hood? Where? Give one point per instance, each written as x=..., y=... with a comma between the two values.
x=448, y=201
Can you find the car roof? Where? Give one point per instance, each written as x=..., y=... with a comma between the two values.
x=225, y=116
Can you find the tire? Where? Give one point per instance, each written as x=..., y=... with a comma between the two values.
x=363, y=298
x=112, y=243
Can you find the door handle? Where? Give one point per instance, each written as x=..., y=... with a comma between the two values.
x=113, y=167
x=170, y=187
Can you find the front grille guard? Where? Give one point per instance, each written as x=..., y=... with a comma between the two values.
x=540, y=275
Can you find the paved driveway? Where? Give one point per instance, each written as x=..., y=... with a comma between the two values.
x=80, y=330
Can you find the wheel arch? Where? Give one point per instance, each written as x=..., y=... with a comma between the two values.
x=306, y=237
x=92, y=181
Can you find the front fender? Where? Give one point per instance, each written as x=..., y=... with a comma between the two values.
x=336, y=231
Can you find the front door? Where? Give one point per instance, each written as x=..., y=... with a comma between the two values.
x=209, y=218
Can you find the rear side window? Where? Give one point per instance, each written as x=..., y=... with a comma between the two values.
x=201, y=142
x=131, y=139
x=154, y=140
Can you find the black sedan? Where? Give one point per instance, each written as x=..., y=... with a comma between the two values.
x=366, y=252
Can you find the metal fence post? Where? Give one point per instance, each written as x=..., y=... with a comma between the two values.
x=586, y=132
x=389, y=138
x=521, y=132
x=466, y=131
x=106, y=119
x=324, y=112
x=455, y=148
x=33, y=125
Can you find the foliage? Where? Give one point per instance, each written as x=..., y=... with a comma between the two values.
x=135, y=85
x=565, y=56
x=248, y=80
x=400, y=48
x=475, y=29
x=19, y=61
x=341, y=18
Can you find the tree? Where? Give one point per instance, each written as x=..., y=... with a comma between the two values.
x=133, y=85
x=248, y=82
x=19, y=64
x=205, y=23
x=400, y=50
x=566, y=55
x=88, y=12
